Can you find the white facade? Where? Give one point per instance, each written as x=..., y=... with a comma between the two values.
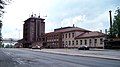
x=73, y=37
x=92, y=42
x=69, y=40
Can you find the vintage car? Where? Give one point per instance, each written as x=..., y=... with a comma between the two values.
x=83, y=47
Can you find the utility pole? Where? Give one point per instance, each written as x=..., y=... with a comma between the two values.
x=0, y=33
x=110, y=22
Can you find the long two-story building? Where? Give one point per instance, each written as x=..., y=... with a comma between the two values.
x=73, y=37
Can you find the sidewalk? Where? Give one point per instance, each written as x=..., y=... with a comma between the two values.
x=99, y=53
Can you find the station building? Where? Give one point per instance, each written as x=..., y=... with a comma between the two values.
x=65, y=37
x=73, y=37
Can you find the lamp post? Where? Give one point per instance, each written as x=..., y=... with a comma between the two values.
x=0, y=33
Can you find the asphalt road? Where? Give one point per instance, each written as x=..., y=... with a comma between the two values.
x=30, y=58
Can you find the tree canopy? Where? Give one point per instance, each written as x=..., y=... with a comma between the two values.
x=116, y=24
x=2, y=5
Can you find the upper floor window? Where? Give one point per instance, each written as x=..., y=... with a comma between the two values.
x=72, y=34
x=66, y=35
x=69, y=35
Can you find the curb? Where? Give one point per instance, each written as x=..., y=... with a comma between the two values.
x=78, y=55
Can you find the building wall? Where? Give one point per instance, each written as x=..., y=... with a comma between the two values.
x=66, y=38
x=54, y=40
x=33, y=31
x=92, y=42
x=69, y=39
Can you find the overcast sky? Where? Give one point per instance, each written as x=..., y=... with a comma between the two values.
x=88, y=14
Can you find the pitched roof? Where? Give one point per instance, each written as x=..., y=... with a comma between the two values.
x=90, y=35
x=68, y=29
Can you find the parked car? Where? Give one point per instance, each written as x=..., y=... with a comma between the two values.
x=83, y=47
x=36, y=47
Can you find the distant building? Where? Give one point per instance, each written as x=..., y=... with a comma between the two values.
x=73, y=37
x=33, y=31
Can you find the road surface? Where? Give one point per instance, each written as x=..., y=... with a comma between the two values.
x=30, y=58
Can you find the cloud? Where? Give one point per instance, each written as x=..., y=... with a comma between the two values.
x=100, y=22
x=50, y=26
x=73, y=20
x=86, y=14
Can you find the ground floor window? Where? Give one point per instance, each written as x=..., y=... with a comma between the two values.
x=90, y=42
x=76, y=42
x=95, y=41
x=101, y=40
x=63, y=43
x=80, y=42
x=72, y=42
x=66, y=42
x=69, y=42
x=85, y=42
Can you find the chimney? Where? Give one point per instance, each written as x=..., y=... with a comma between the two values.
x=110, y=19
x=105, y=31
x=100, y=31
x=32, y=15
x=38, y=16
x=73, y=25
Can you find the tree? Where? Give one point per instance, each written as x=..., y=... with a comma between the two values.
x=9, y=46
x=116, y=24
x=2, y=4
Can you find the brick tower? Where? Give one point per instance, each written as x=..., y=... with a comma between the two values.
x=33, y=31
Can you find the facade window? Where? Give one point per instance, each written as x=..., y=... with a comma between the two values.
x=76, y=42
x=69, y=42
x=66, y=42
x=85, y=42
x=66, y=35
x=90, y=41
x=69, y=35
x=80, y=42
x=63, y=43
x=72, y=42
x=101, y=41
x=95, y=40
x=72, y=34
x=62, y=36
